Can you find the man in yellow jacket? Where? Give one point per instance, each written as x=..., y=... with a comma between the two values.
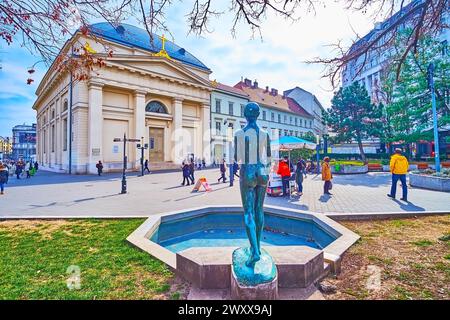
x=399, y=168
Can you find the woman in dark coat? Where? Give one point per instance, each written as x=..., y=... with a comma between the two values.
x=186, y=174
x=299, y=171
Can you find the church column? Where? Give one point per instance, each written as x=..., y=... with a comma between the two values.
x=139, y=123
x=206, y=132
x=177, y=132
x=95, y=126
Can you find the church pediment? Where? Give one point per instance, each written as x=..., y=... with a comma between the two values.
x=160, y=67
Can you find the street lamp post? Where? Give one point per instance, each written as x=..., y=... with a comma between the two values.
x=142, y=146
x=435, y=121
x=124, y=177
x=317, y=153
x=230, y=153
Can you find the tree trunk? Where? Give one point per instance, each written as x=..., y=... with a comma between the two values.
x=361, y=149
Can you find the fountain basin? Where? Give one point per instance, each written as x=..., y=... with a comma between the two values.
x=197, y=243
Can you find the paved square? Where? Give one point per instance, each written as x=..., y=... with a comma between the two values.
x=57, y=195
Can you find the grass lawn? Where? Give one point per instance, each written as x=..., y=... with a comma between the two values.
x=412, y=255
x=35, y=255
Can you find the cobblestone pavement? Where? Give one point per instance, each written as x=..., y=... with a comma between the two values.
x=58, y=195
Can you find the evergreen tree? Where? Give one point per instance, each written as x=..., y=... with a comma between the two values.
x=353, y=116
x=409, y=108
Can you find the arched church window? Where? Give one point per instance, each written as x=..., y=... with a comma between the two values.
x=156, y=107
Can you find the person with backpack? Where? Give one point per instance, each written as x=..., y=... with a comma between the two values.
x=399, y=168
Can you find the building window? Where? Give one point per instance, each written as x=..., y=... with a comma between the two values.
x=53, y=138
x=296, y=133
x=296, y=121
x=272, y=116
x=230, y=108
x=218, y=106
x=291, y=133
x=290, y=120
x=285, y=118
x=301, y=122
x=285, y=132
x=156, y=107
x=280, y=132
x=264, y=114
x=53, y=114
x=310, y=124
x=218, y=127
x=242, y=110
x=279, y=118
x=65, y=105
x=45, y=141
x=242, y=126
x=65, y=135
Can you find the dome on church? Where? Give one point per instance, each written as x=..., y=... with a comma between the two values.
x=132, y=36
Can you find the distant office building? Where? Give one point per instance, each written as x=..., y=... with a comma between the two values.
x=311, y=104
x=24, y=142
x=368, y=69
x=5, y=147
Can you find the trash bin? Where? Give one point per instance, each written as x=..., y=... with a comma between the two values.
x=337, y=167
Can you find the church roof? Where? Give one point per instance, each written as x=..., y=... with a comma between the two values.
x=229, y=89
x=132, y=36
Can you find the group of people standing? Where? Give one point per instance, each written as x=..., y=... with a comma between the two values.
x=188, y=169
x=17, y=168
x=285, y=170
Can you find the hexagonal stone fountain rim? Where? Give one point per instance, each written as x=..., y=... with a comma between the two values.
x=332, y=253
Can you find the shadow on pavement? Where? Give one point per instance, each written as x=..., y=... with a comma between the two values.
x=408, y=206
x=371, y=180
x=324, y=198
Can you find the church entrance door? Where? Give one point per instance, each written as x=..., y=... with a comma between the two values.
x=156, y=145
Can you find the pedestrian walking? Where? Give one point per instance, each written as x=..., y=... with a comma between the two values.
x=99, y=167
x=186, y=174
x=36, y=165
x=399, y=168
x=223, y=171
x=146, y=168
x=4, y=176
x=204, y=163
x=235, y=168
x=19, y=170
x=28, y=167
x=191, y=171
x=327, y=176
x=285, y=172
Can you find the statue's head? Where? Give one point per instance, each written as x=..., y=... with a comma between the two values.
x=251, y=111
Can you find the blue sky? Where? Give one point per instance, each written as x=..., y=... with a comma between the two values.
x=276, y=61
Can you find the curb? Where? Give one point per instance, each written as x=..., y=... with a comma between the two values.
x=364, y=216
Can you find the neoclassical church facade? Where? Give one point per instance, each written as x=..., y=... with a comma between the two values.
x=160, y=94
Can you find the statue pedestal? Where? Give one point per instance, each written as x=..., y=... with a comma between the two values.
x=257, y=283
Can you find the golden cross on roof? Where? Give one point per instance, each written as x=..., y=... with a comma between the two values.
x=163, y=52
x=163, y=39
